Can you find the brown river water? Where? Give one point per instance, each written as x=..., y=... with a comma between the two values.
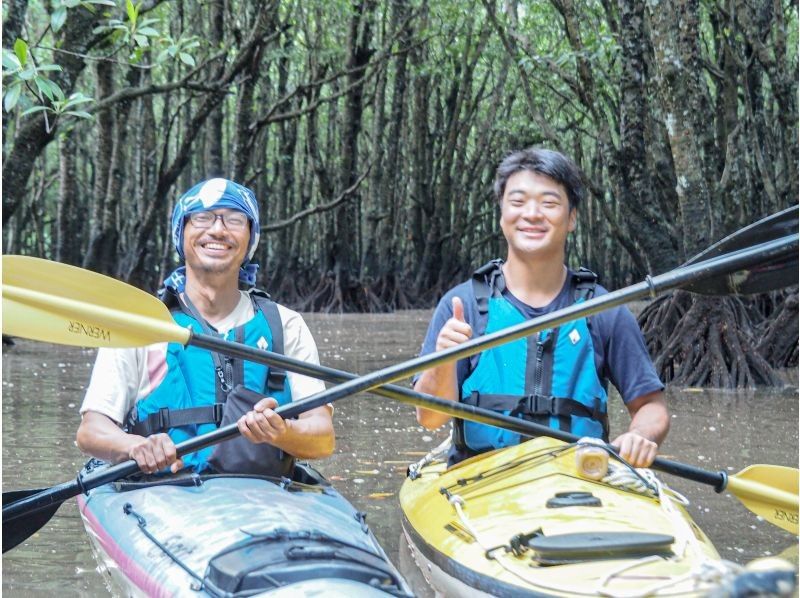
x=376, y=439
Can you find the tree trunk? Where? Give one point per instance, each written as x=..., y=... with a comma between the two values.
x=104, y=77
x=637, y=191
x=214, y=131
x=68, y=248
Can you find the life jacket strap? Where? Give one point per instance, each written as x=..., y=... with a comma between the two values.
x=584, y=282
x=532, y=406
x=276, y=379
x=487, y=281
x=165, y=418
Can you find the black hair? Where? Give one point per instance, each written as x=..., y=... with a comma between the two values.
x=549, y=163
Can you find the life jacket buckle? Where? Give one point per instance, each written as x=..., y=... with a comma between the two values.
x=163, y=419
x=537, y=405
x=219, y=411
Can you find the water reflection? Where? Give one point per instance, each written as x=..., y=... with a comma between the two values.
x=376, y=439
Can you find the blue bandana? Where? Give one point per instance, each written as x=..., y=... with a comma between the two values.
x=212, y=195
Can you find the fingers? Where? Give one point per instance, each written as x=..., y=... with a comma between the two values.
x=636, y=450
x=458, y=309
x=456, y=330
x=262, y=424
x=154, y=453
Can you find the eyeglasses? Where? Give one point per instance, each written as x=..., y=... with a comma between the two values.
x=231, y=221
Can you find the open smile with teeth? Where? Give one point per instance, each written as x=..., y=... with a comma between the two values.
x=538, y=230
x=215, y=247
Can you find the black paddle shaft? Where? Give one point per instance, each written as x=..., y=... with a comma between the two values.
x=739, y=260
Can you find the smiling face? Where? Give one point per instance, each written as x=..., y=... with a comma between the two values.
x=215, y=250
x=535, y=216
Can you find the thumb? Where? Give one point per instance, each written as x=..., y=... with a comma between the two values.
x=458, y=309
x=265, y=403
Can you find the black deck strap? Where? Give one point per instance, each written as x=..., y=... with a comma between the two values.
x=165, y=418
x=276, y=380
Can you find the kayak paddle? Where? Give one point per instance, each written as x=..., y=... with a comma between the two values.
x=85, y=329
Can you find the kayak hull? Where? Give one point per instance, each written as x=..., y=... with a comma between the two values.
x=524, y=521
x=225, y=534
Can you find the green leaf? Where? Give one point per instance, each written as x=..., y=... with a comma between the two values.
x=12, y=95
x=28, y=74
x=10, y=61
x=187, y=59
x=49, y=67
x=56, y=89
x=102, y=2
x=35, y=109
x=58, y=18
x=71, y=3
x=141, y=40
x=44, y=88
x=132, y=11
x=21, y=51
x=149, y=31
x=77, y=98
x=78, y=113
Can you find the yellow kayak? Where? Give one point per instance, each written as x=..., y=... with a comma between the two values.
x=545, y=518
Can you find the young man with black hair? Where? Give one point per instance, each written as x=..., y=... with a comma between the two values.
x=558, y=377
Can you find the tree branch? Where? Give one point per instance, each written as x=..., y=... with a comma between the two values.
x=344, y=195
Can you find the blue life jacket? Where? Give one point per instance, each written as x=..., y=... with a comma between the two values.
x=195, y=396
x=549, y=378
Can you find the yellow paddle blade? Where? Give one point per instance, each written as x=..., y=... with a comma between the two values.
x=57, y=303
x=770, y=491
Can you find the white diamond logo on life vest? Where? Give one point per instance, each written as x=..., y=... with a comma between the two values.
x=262, y=344
x=574, y=336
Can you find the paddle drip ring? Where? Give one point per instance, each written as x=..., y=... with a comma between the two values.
x=651, y=285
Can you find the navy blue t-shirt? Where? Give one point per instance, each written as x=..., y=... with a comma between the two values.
x=619, y=350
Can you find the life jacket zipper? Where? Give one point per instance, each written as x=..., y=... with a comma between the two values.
x=537, y=379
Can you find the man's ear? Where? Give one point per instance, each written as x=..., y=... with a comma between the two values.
x=573, y=219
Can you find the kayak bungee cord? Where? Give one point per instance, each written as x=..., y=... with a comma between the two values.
x=619, y=474
x=708, y=574
x=142, y=525
x=631, y=478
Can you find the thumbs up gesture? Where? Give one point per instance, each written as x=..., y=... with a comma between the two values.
x=456, y=330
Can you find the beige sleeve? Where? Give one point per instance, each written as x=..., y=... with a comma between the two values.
x=299, y=344
x=121, y=376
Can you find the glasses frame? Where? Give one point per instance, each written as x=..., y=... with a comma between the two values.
x=221, y=217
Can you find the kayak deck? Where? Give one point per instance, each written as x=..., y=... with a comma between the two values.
x=225, y=535
x=524, y=521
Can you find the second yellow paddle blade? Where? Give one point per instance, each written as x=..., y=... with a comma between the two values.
x=57, y=303
x=770, y=491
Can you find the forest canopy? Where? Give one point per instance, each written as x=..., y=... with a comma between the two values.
x=370, y=131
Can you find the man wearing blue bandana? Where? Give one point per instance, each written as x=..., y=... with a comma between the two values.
x=141, y=402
